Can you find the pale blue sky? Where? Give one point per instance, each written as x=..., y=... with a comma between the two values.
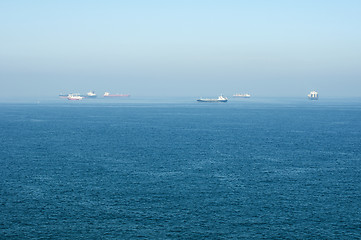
x=181, y=48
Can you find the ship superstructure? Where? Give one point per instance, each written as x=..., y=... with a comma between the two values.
x=74, y=96
x=313, y=95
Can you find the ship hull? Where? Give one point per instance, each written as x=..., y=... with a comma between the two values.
x=211, y=100
x=115, y=96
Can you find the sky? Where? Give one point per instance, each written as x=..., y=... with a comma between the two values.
x=180, y=48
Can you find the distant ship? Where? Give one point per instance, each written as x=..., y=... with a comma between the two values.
x=107, y=94
x=74, y=96
x=63, y=95
x=313, y=95
x=239, y=95
x=91, y=94
x=219, y=99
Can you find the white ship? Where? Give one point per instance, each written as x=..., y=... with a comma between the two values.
x=219, y=99
x=240, y=95
x=107, y=94
x=91, y=94
x=313, y=95
x=74, y=96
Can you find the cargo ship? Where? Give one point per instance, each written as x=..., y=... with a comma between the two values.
x=219, y=99
x=63, y=95
x=313, y=95
x=107, y=94
x=239, y=95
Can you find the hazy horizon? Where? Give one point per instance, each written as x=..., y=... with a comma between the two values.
x=188, y=48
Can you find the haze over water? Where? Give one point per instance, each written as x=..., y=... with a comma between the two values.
x=184, y=48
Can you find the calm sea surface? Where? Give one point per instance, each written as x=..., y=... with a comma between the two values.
x=286, y=168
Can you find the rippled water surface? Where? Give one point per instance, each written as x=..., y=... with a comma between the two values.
x=181, y=170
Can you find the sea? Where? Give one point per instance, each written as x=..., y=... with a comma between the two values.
x=270, y=168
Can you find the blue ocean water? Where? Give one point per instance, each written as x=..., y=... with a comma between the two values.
x=246, y=169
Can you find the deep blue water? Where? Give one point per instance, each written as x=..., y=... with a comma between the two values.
x=288, y=169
